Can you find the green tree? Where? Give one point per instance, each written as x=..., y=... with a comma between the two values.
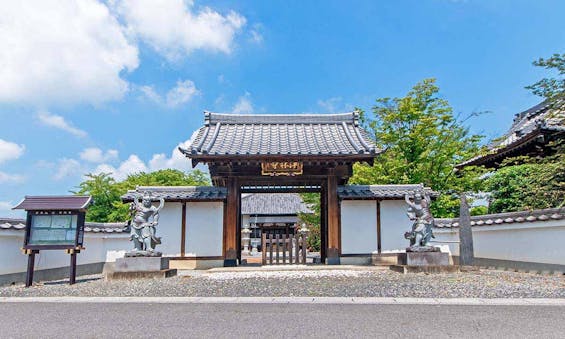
x=552, y=88
x=106, y=192
x=423, y=142
x=312, y=200
x=528, y=182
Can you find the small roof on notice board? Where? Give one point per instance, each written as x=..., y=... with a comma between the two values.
x=60, y=202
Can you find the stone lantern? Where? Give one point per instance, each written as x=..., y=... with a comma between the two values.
x=245, y=239
x=304, y=231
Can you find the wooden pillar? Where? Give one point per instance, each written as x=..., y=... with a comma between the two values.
x=30, y=267
x=231, y=222
x=333, y=219
x=323, y=223
x=379, y=246
x=73, y=271
x=183, y=231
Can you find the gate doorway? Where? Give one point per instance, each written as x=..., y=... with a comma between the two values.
x=278, y=227
x=288, y=249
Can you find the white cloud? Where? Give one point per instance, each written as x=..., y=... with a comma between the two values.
x=68, y=168
x=131, y=165
x=149, y=92
x=6, y=178
x=10, y=150
x=256, y=35
x=244, y=105
x=176, y=161
x=6, y=210
x=96, y=155
x=331, y=104
x=182, y=93
x=57, y=52
x=174, y=28
x=5, y=206
x=59, y=122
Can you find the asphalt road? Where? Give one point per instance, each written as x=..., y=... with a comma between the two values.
x=100, y=320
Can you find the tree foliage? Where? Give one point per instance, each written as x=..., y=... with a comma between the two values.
x=106, y=192
x=312, y=220
x=528, y=182
x=423, y=142
x=552, y=88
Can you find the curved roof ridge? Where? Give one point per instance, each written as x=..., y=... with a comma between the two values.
x=283, y=118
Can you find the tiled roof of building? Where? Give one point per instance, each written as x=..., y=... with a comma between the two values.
x=92, y=227
x=179, y=193
x=281, y=134
x=64, y=202
x=271, y=204
x=542, y=118
x=506, y=218
x=352, y=192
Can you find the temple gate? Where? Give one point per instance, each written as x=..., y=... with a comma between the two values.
x=281, y=153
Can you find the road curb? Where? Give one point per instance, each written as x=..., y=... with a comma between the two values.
x=293, y=300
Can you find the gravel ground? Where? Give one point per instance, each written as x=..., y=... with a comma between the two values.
x=342, y=283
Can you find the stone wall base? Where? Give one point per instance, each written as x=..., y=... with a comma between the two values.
x=167, y=273
x=52, y=273
x=520, y=266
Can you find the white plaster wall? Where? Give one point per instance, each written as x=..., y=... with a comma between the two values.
x=99, y=248
x=358, y=226
x=539, y=242
x=170, y=229
x=204, y=228
x=394, y=222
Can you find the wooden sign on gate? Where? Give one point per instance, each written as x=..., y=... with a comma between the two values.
x=286, y=168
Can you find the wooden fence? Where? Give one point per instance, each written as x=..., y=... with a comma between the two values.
x=283, y=249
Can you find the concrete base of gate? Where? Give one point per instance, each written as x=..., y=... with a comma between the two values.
x=355, y=260
x=384, y=259
x=195, y=264
x=424, y=269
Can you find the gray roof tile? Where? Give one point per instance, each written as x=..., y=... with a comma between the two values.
x=542, y=117
x=281, y=134
x=353, y=192
x=179, y=193
x=505, y=218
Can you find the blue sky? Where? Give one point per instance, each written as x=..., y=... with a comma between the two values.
x=90, y=86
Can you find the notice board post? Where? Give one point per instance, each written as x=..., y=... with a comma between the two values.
x=54, y=223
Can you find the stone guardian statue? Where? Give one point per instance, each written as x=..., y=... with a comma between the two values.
x=145, y=218
x=423, y=221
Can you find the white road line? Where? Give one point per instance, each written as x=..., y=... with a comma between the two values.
x=293, y=300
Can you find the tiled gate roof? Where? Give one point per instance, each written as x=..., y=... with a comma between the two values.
x=281, y=134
